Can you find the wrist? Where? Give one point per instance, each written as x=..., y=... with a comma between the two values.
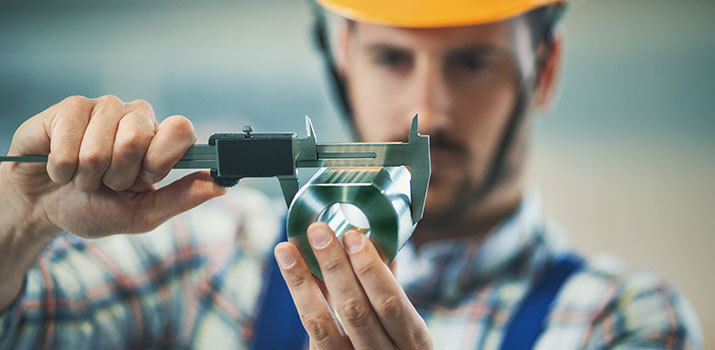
x=20, y=222
x=22, y=237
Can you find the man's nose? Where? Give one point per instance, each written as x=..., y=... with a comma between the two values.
x=432, y=100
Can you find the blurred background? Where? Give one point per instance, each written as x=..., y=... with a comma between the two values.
x=625, y=161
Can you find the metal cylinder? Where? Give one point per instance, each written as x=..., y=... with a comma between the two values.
x=382, y=194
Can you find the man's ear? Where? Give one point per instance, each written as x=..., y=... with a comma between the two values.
x=341, y=49
x=549, y=72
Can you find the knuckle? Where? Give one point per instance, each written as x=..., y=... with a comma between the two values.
x=331, y=264
x=63, y=161
x=181, y=126
x=355, y=312
x=296, y=281
x=132, y=147
x=128, y=149
x=110, y=100
x=317, y=327
x=390, y=306
x=138, y=125
x=141, y=114
x=142, y=105
x=75, y=102
x=94, y=160
x=368, y=268
x=114, y=184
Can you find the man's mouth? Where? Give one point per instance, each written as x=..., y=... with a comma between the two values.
x=445, y=160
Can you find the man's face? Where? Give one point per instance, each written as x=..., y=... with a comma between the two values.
x=461, y=81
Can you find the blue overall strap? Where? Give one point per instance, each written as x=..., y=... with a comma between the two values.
x=278, y=325
x=527, y=323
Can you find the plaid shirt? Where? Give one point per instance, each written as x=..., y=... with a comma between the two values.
x=197, y=280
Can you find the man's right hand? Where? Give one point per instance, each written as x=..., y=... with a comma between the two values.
x=105, y=157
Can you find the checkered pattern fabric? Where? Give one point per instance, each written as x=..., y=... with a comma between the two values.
x=466, y=290
x=197, y=282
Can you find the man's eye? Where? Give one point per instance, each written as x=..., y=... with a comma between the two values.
x=471, y=63
x=392, y=59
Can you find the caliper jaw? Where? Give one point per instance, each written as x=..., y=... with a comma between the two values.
x=305, y=155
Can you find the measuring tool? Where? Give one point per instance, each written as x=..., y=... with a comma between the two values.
x=233, y=156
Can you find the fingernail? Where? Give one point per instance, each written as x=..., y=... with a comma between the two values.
x=285, y=258
x=319, y=237
x=353, y=241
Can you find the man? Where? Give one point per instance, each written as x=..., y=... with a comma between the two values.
x=479, y=262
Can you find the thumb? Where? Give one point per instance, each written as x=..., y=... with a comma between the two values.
x=186, y=193
x=32, y=137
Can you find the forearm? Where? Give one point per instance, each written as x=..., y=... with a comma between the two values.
x=21, y=241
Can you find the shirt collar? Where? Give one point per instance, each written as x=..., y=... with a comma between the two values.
x=447, y=269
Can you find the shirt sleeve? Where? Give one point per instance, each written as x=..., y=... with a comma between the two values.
x=647, y=314
x=9, y=320
x=165, y=288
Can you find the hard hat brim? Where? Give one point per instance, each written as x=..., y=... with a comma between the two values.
x=430, y=14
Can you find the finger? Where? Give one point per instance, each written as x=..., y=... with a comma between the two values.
x=173, y=138
x=347, y=296
x=33, y=136
x=30, y=138
x=396, y=313
x=313, y=309
x=156, y=207
x=134, y=134
x=95, y=153
x=66, y=130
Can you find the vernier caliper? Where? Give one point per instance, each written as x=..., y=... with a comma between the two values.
x=233, y=156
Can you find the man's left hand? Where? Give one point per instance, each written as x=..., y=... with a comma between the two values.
x=359, y=287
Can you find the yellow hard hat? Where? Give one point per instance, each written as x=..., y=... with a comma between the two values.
x=424, y=13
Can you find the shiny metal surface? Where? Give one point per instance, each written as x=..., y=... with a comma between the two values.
x=381, y=193
x=414, y=154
